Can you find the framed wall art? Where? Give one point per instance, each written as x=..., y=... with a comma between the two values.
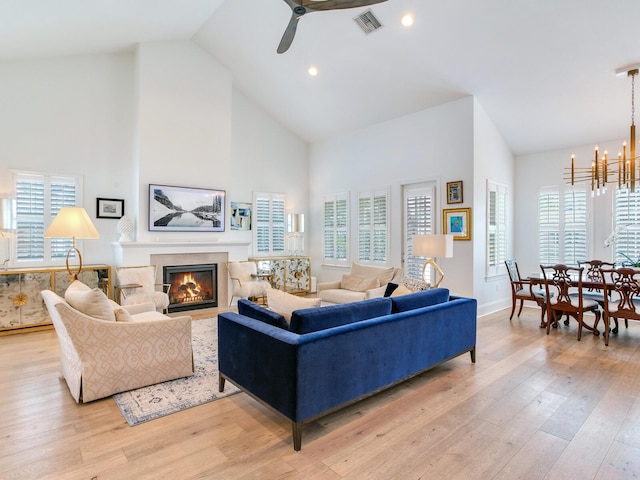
x=109, y=208
x=454, y=192
x=457, y=222
x=186, y=209
x=240, y=216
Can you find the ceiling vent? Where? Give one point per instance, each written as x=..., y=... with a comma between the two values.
x=368, y=22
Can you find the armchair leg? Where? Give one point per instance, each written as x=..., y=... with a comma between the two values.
x=521, y=305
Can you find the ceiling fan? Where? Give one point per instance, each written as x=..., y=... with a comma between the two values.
x=301, y=7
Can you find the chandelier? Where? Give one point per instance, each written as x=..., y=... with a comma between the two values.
x=603, y=170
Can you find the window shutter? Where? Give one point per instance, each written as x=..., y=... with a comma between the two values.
x=627, y=214
x=372, y=227
x=419, y=221
x=336, y=229
x=575, y=226
x=496, y=228
x=270, y=224
x=549, y=226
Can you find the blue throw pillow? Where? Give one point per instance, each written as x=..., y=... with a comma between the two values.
x=255, y=311
x=313, y=319
x=423, y=298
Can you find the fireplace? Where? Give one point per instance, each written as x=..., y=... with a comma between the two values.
x=191, y=286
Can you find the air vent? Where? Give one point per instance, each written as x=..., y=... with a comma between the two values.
x=368, y=22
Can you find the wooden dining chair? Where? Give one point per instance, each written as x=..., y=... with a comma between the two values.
x=522, y=289
x=593, y=274
x=563, y=288
x=622, y=299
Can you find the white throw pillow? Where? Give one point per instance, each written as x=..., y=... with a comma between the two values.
x=285, y=303
x=93, y=303
x=401, y=290
x=122, y=315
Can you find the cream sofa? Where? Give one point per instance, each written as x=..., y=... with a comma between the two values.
x=101, y=357
x=362, y=282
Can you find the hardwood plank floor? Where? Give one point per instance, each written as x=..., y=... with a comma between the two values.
x=533, y=406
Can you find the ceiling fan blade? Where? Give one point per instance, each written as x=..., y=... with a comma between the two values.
x=289, y=33
x=335, y=4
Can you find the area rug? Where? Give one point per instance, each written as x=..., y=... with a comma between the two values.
x=155, y=401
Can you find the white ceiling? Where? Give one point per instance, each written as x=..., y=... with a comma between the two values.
x=543, y=70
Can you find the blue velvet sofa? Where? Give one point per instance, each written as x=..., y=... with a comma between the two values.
x=327, y=357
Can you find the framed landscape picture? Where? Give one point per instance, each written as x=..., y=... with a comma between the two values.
x=186, y=209
x=457, y=222
x=109, y=208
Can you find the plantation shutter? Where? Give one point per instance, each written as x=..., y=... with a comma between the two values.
x=372, y=227
x=496, y=228
x=627, y=223
x=336, y=229
x=575, y=226
x=419, y=206
x=549, y=226
x=270, y=224
x=39, y=198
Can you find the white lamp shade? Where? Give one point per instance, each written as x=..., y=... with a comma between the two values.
x=71, y=222
x=434, y=246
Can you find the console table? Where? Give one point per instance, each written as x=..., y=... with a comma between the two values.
x=291, y=274
x=21, y=305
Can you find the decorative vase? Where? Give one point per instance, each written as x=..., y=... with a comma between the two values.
x=125, y=229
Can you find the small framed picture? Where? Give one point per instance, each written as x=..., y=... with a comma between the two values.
x=457, y=222
x=109, y=208
x=454, y=192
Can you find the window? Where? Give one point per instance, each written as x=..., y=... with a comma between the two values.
x=270, y=224
x=336, y=229
x=627, y=223
x=562, y=225
x=373, y=242
x=496, y=228
x=39, y=197
x=418, y=213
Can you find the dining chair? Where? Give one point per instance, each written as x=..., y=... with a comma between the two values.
x=594, y=275
x=563, y=288
x=522, y=289
x=622, y=286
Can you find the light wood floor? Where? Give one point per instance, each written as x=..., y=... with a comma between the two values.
x=534, y=406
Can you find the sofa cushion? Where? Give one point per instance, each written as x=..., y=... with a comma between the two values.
x=91, y=302
x=420, y=299
x=384, y=275
x=357, y=284
x=341, y=295
x=257, y=312
x=314, y=319
x=284, y=303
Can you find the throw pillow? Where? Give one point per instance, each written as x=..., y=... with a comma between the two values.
x=384, y=275
x=285, y=303
x=356, y=284
x=93, y=303
x=401, y=290
x=415, y=285
x=122, y=315
x=390, y=289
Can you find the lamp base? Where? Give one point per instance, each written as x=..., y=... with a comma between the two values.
x=72, y=274
x=436, y=267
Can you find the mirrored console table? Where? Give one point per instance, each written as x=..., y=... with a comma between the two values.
x=21, y=305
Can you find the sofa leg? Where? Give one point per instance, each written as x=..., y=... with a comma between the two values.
x=473, y=354
x=296, y=428
x=221, y=382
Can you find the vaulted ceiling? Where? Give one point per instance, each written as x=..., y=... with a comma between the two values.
x=543, y=70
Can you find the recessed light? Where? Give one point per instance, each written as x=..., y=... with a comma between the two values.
x=407, y=20
x=313, y=71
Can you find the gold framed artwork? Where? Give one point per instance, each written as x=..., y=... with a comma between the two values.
x=457, y=222
x=454, y=192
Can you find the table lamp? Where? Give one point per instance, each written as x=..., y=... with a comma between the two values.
x=72, y=222
x=295, y=231
x=432, y=246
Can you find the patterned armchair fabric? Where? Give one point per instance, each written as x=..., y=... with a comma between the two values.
x=99, y=357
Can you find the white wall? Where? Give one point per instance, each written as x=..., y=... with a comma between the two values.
x=434, y=144
x=71, y=116
x=495, y=162
x=548, y=169
x=165, y=114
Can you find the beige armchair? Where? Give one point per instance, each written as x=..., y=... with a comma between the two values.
x=138, y=285
x=101, y=357
x=362, y=282
x=245, y=281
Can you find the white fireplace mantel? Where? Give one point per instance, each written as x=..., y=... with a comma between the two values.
x=139, y=253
